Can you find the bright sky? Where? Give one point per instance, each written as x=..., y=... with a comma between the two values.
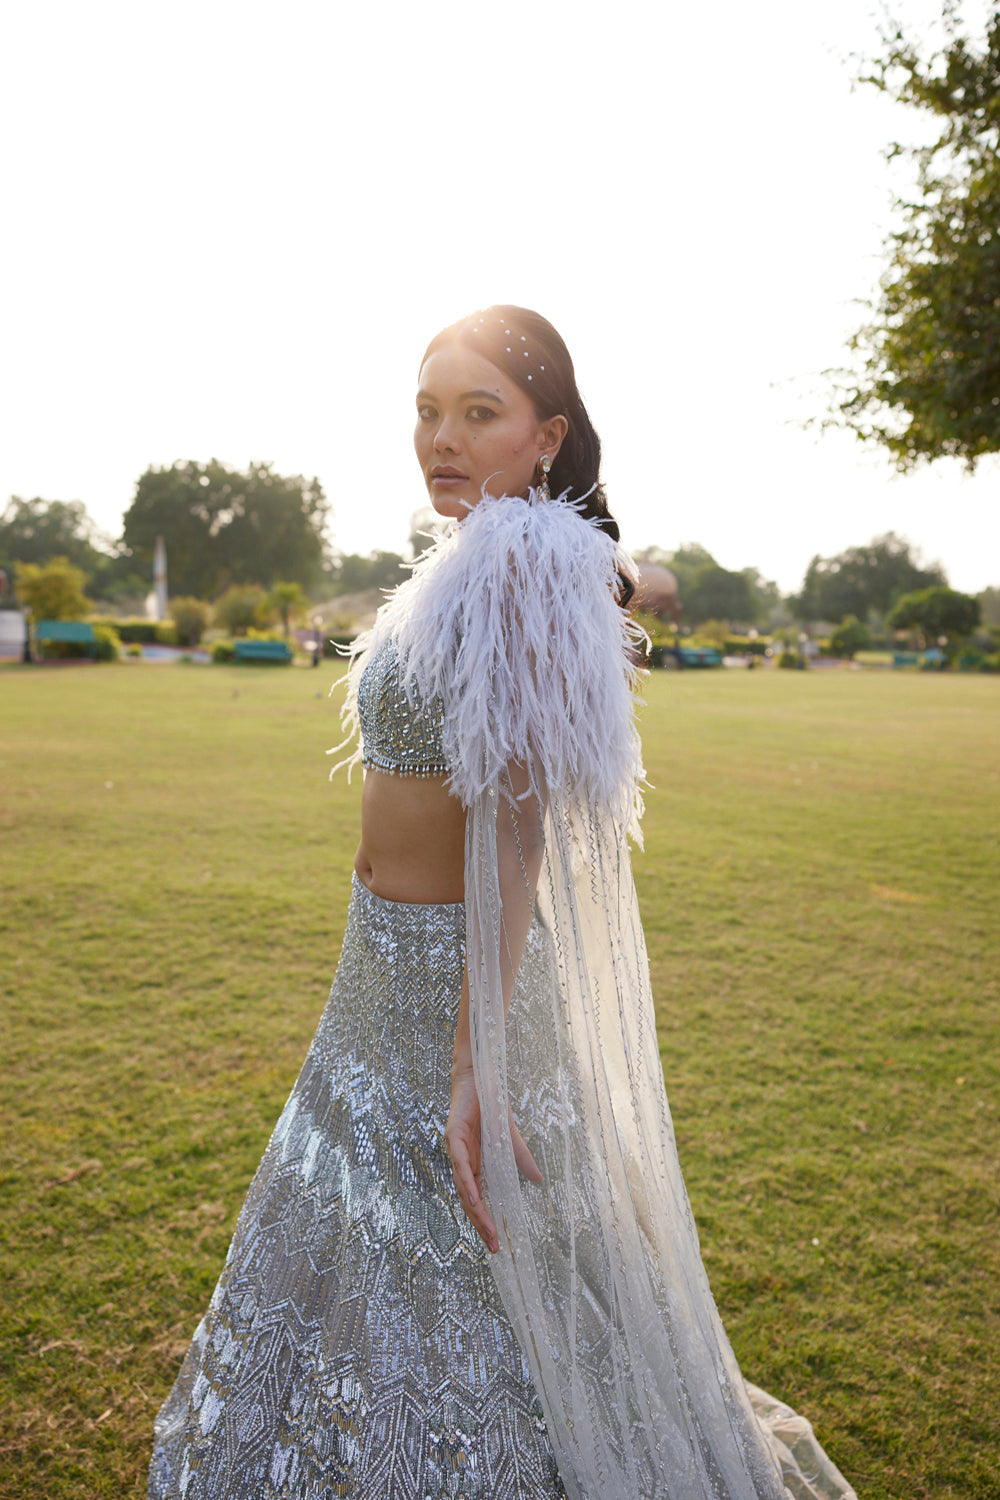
x=232, y=228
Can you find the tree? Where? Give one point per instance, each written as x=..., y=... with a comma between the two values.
x=765, y=594
x=425, y=526
x=190, y=617
x=989, y=605
x=850, y=635
x=929, y=381
x=287, y=599
x=223, y=526
x=241, y=607
x=862, y=581
x=379, y=570
x=685, y=563
x=717, y=594
x=35, y=531
x=935, y=612
x=52, y=592
x=707, y=591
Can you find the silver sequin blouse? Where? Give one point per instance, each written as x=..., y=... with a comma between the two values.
x=401, y=735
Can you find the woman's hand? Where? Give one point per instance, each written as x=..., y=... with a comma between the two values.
x=464, y=1140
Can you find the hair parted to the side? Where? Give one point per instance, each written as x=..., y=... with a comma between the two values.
x=527, y=348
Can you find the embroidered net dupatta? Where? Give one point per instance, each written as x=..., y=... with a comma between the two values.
x=511, y=618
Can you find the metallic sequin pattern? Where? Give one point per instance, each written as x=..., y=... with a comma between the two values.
x=355, y=1346
x=400, y=736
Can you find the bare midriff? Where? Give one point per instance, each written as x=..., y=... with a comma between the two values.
x=412, y=839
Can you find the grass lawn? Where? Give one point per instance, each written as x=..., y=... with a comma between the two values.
x=821, y=890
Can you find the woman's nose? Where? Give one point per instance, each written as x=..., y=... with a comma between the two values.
x=445, y=439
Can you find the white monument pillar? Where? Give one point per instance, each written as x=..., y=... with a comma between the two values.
x=160, y=578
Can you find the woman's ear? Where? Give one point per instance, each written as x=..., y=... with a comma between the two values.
x=551, y=435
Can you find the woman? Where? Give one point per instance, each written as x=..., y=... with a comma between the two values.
x=491, y=1006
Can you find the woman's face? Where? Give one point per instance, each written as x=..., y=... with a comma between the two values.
x=475, y=427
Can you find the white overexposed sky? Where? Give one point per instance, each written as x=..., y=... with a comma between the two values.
x=230, y=229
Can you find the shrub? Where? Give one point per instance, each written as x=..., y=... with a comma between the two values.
x=850, y=635
x=190, y=617
x=659, y=655
x=223, y=651
x=65, y=650
x=654, y=627
x=133, y=649
x=136, y=628
x=128, y=630
x=106, y=647
x=241, y=607
x=745, y=645
x=711, y=633
x=107, y=642
x=52, y=592
x=792, y=659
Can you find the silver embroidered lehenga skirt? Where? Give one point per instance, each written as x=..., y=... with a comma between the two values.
x=355, y=1345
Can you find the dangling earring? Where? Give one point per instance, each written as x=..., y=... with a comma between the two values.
x=542, y=486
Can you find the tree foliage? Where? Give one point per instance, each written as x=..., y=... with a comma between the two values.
x=935, y=612
x=224, y=527
x=53, y=591
x=708, y=591
x=929, y=382
x=287, y=600
x=717, y=594
x=863, y=581
x=36, y=531
x=354, y=573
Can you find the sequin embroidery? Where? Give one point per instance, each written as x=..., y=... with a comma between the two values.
x=356, y=1347
x=399, y=736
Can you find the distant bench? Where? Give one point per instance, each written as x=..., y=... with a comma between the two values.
x=926, y=659
x=698, y=656
x=74, y=631
x=261, y=651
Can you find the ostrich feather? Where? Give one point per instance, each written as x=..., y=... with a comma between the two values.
x=511, y=618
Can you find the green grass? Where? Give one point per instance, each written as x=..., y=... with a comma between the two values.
x=821, y=892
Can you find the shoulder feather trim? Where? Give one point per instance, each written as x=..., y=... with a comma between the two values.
x=512, y=618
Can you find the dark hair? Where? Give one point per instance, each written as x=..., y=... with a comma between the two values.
x=527, y=348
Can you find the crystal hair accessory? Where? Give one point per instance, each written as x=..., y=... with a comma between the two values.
x=508, y=331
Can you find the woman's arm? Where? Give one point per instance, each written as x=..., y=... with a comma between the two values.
x=519, y=843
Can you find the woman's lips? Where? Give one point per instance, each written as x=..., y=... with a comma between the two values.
x=448, y=478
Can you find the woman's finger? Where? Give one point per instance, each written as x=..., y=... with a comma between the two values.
x=525, y=1162
x=469, y=1185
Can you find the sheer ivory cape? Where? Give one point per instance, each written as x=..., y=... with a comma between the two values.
x=511, y=618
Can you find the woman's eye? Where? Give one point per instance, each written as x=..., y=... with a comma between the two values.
x=481, y=413
x=426, y=413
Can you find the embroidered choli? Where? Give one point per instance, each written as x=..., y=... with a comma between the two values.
x=400, y=730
